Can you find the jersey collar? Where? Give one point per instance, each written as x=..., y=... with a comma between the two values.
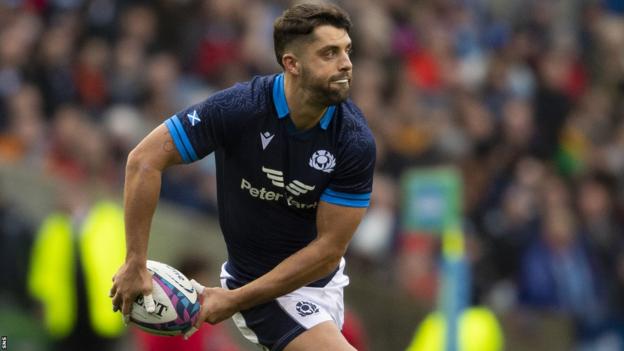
x=279, y=99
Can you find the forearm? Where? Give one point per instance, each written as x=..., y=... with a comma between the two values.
x=141, y=192
x=309, y=264
x=142, y=188
x=335, y=227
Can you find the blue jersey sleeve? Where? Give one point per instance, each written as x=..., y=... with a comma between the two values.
x=179, y=129
x=352, y=182
x=201, y=129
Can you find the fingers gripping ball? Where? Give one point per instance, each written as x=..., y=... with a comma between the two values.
x=176, y=302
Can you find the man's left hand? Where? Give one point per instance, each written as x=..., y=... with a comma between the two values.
x=217, y=305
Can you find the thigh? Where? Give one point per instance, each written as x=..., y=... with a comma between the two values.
x=322, y=337
x=275, y=324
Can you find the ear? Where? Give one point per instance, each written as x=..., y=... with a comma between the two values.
x=291, y=63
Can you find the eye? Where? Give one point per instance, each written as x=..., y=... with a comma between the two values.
x=330, y=53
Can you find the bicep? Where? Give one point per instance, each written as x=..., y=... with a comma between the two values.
x=336, y=223
x=157, y=150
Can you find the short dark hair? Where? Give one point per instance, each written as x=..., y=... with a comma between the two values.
x=300, y=20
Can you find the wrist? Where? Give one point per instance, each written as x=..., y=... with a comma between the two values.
x=136, y=260
x=238, y=299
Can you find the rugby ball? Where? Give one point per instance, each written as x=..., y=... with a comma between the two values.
x=177, y=302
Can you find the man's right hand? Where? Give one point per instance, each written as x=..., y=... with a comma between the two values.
x=131, y=280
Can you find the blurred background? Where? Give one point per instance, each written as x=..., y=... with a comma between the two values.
x=524, y=99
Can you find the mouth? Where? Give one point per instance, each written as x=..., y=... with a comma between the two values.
x=345, y=81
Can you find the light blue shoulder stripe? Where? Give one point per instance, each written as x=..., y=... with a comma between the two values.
x=185, y=140
x=180, y=139
x=176, y=140
x=347, y=196
x=344, y=202
x=346, y=199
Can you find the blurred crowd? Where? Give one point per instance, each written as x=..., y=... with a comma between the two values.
x=524, y=97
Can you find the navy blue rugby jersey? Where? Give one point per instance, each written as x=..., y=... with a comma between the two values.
x=270, y=176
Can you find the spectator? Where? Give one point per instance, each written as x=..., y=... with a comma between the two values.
x=70, y=266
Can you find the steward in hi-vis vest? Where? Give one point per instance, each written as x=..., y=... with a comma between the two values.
x=70, y=272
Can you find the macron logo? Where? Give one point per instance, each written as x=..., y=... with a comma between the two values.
x=266, y=138
x=193, y=118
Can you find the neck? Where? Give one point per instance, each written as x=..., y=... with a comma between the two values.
x=304, y=112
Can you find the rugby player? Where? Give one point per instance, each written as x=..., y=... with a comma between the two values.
x=295, y=161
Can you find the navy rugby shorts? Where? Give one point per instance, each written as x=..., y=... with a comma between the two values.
x=274, y=324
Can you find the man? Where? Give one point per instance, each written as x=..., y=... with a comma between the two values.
x=295, y=162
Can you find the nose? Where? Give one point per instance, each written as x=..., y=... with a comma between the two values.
x=345, y=62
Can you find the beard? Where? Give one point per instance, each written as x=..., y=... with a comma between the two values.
x=321, y=89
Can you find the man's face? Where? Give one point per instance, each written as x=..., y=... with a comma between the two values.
x=326, y=68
